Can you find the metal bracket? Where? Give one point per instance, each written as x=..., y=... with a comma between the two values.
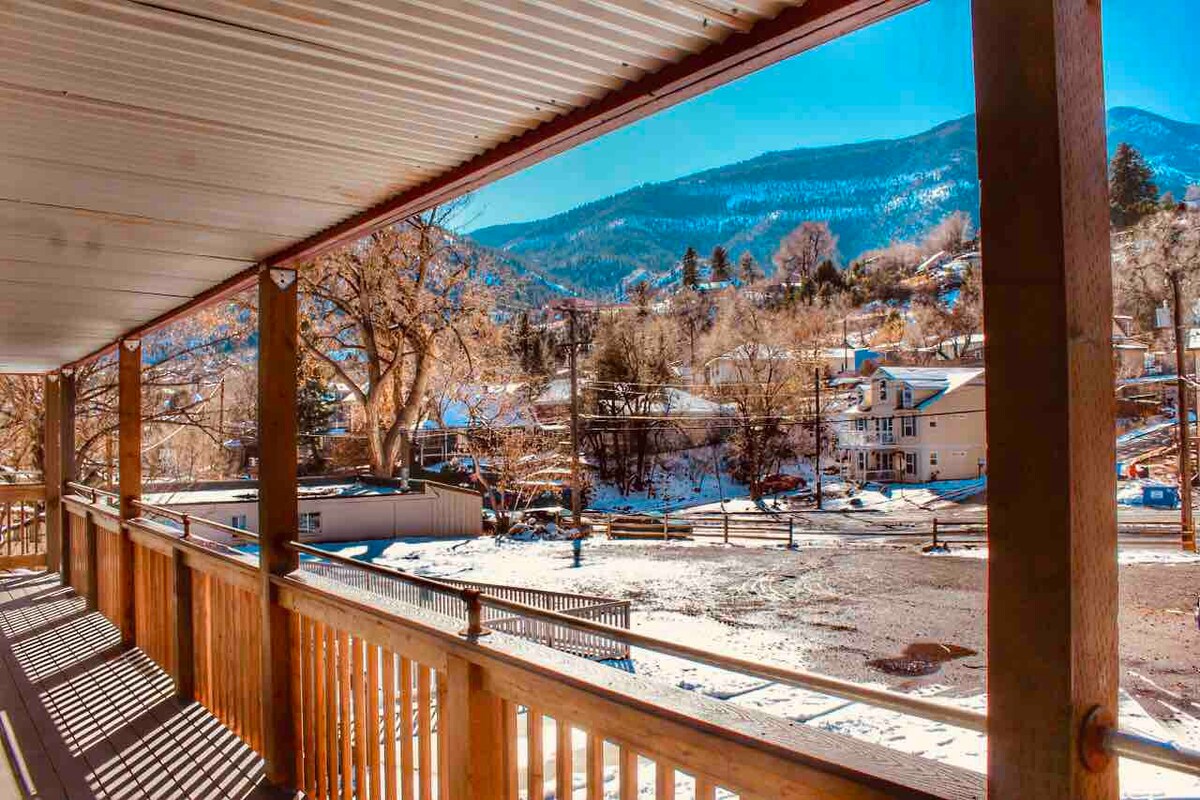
x=1094, y=751
x=131, y=344
x=283, y=278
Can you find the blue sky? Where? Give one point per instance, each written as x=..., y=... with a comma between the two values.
x=896, y=78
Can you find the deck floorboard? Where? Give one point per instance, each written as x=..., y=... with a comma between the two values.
x=82, y=717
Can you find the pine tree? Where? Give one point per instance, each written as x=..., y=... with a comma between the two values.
x=1132, y=193
x=691, y=268
x=719, y=263
x=748, y=269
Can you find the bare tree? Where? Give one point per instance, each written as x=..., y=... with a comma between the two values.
x=1145, y=260
x=21, y=420
x=949, y=235
x=803, y=250
x=384, y=311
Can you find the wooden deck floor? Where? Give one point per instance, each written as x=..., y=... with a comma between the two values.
x=81, y=717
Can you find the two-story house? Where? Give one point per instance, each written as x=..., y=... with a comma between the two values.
x=915, y=424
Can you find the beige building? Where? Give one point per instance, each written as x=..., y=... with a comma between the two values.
x=343, y=510
x=916, y=424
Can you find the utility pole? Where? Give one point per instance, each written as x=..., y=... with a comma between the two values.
x=817, y=385
x=1187, y=524
x=576, y=505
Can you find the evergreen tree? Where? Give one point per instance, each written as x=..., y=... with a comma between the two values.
x=691, y=268
x=1131, y=189
x=748, y=269
x=719, y=262
x=315, y=408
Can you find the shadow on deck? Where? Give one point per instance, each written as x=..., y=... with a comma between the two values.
x=82, y=717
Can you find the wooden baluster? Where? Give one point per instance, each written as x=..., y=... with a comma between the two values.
x=595, y=766
x=536, y=764
x=389, y=725
x=309, y=709
x=321, y=722
x=329, y=672
x=373, y=719
x=564, y=780
x=629, y=773
x=347, y=771
x=300, y=719
x=664, y=781
x=424, y=732
x=511, y=761
x=359, y=717
x=405, y=732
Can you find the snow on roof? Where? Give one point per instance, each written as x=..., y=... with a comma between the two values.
x=940, y=380
x=557, y=392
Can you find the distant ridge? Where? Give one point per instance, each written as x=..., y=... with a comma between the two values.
x=871, y=193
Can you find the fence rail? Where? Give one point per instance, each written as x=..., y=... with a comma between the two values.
x=448, y=598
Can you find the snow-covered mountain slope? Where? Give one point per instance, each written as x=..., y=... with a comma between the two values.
x=871, y=193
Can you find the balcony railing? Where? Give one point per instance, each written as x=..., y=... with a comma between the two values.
x=387, y=697
x=22, y=525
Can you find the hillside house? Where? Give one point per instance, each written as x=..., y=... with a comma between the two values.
x=915, y=424
x=1129, y=355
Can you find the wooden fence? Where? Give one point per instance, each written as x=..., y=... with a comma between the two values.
x=22, y=525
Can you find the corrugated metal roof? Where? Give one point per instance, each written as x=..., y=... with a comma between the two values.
x=149, y=150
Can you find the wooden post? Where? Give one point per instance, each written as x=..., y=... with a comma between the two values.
x=278, y=519
x=129, y=465
x=66, y=471
x=183, y=645
x=474, y=718
x=935, y=533
x=52, y=469
x=1047, y=289
x=725, y=525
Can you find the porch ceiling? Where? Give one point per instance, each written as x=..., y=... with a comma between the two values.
x=151, y=151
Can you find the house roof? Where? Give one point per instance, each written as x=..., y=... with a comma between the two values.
x=939, y=380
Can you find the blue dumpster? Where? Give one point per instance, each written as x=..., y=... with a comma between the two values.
x=1158, y=496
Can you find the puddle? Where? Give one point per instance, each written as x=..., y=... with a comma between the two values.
x=921, y=658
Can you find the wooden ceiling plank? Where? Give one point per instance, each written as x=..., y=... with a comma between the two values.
x=226, y=81
x=57, y=75
x=361, y=39
x=151, y=22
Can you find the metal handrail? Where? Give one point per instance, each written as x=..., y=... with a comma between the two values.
x=1153, y=751
x=378, y=569
x=188, y=519
x=91, y=491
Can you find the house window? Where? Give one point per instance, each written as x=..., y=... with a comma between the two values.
x=910, y=463
x=908, y=426
x=882, y=391
x=239, y=522
x=933, y=458
x=310, y=522
x=886, y=435
x=862, y=461
x=933, y=423
x=906, y=398
x=860, y=424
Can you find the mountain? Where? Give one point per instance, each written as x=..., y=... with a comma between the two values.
x=871, y=193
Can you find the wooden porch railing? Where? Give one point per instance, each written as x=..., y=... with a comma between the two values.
x=22, y=525
x=391, y=701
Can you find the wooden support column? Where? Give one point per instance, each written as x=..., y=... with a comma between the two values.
x=52, y=469
x=1052, y=569
x=129, y=465
x=474, y=717
x=93, y=562
x=66, y=445
x=277, y=509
